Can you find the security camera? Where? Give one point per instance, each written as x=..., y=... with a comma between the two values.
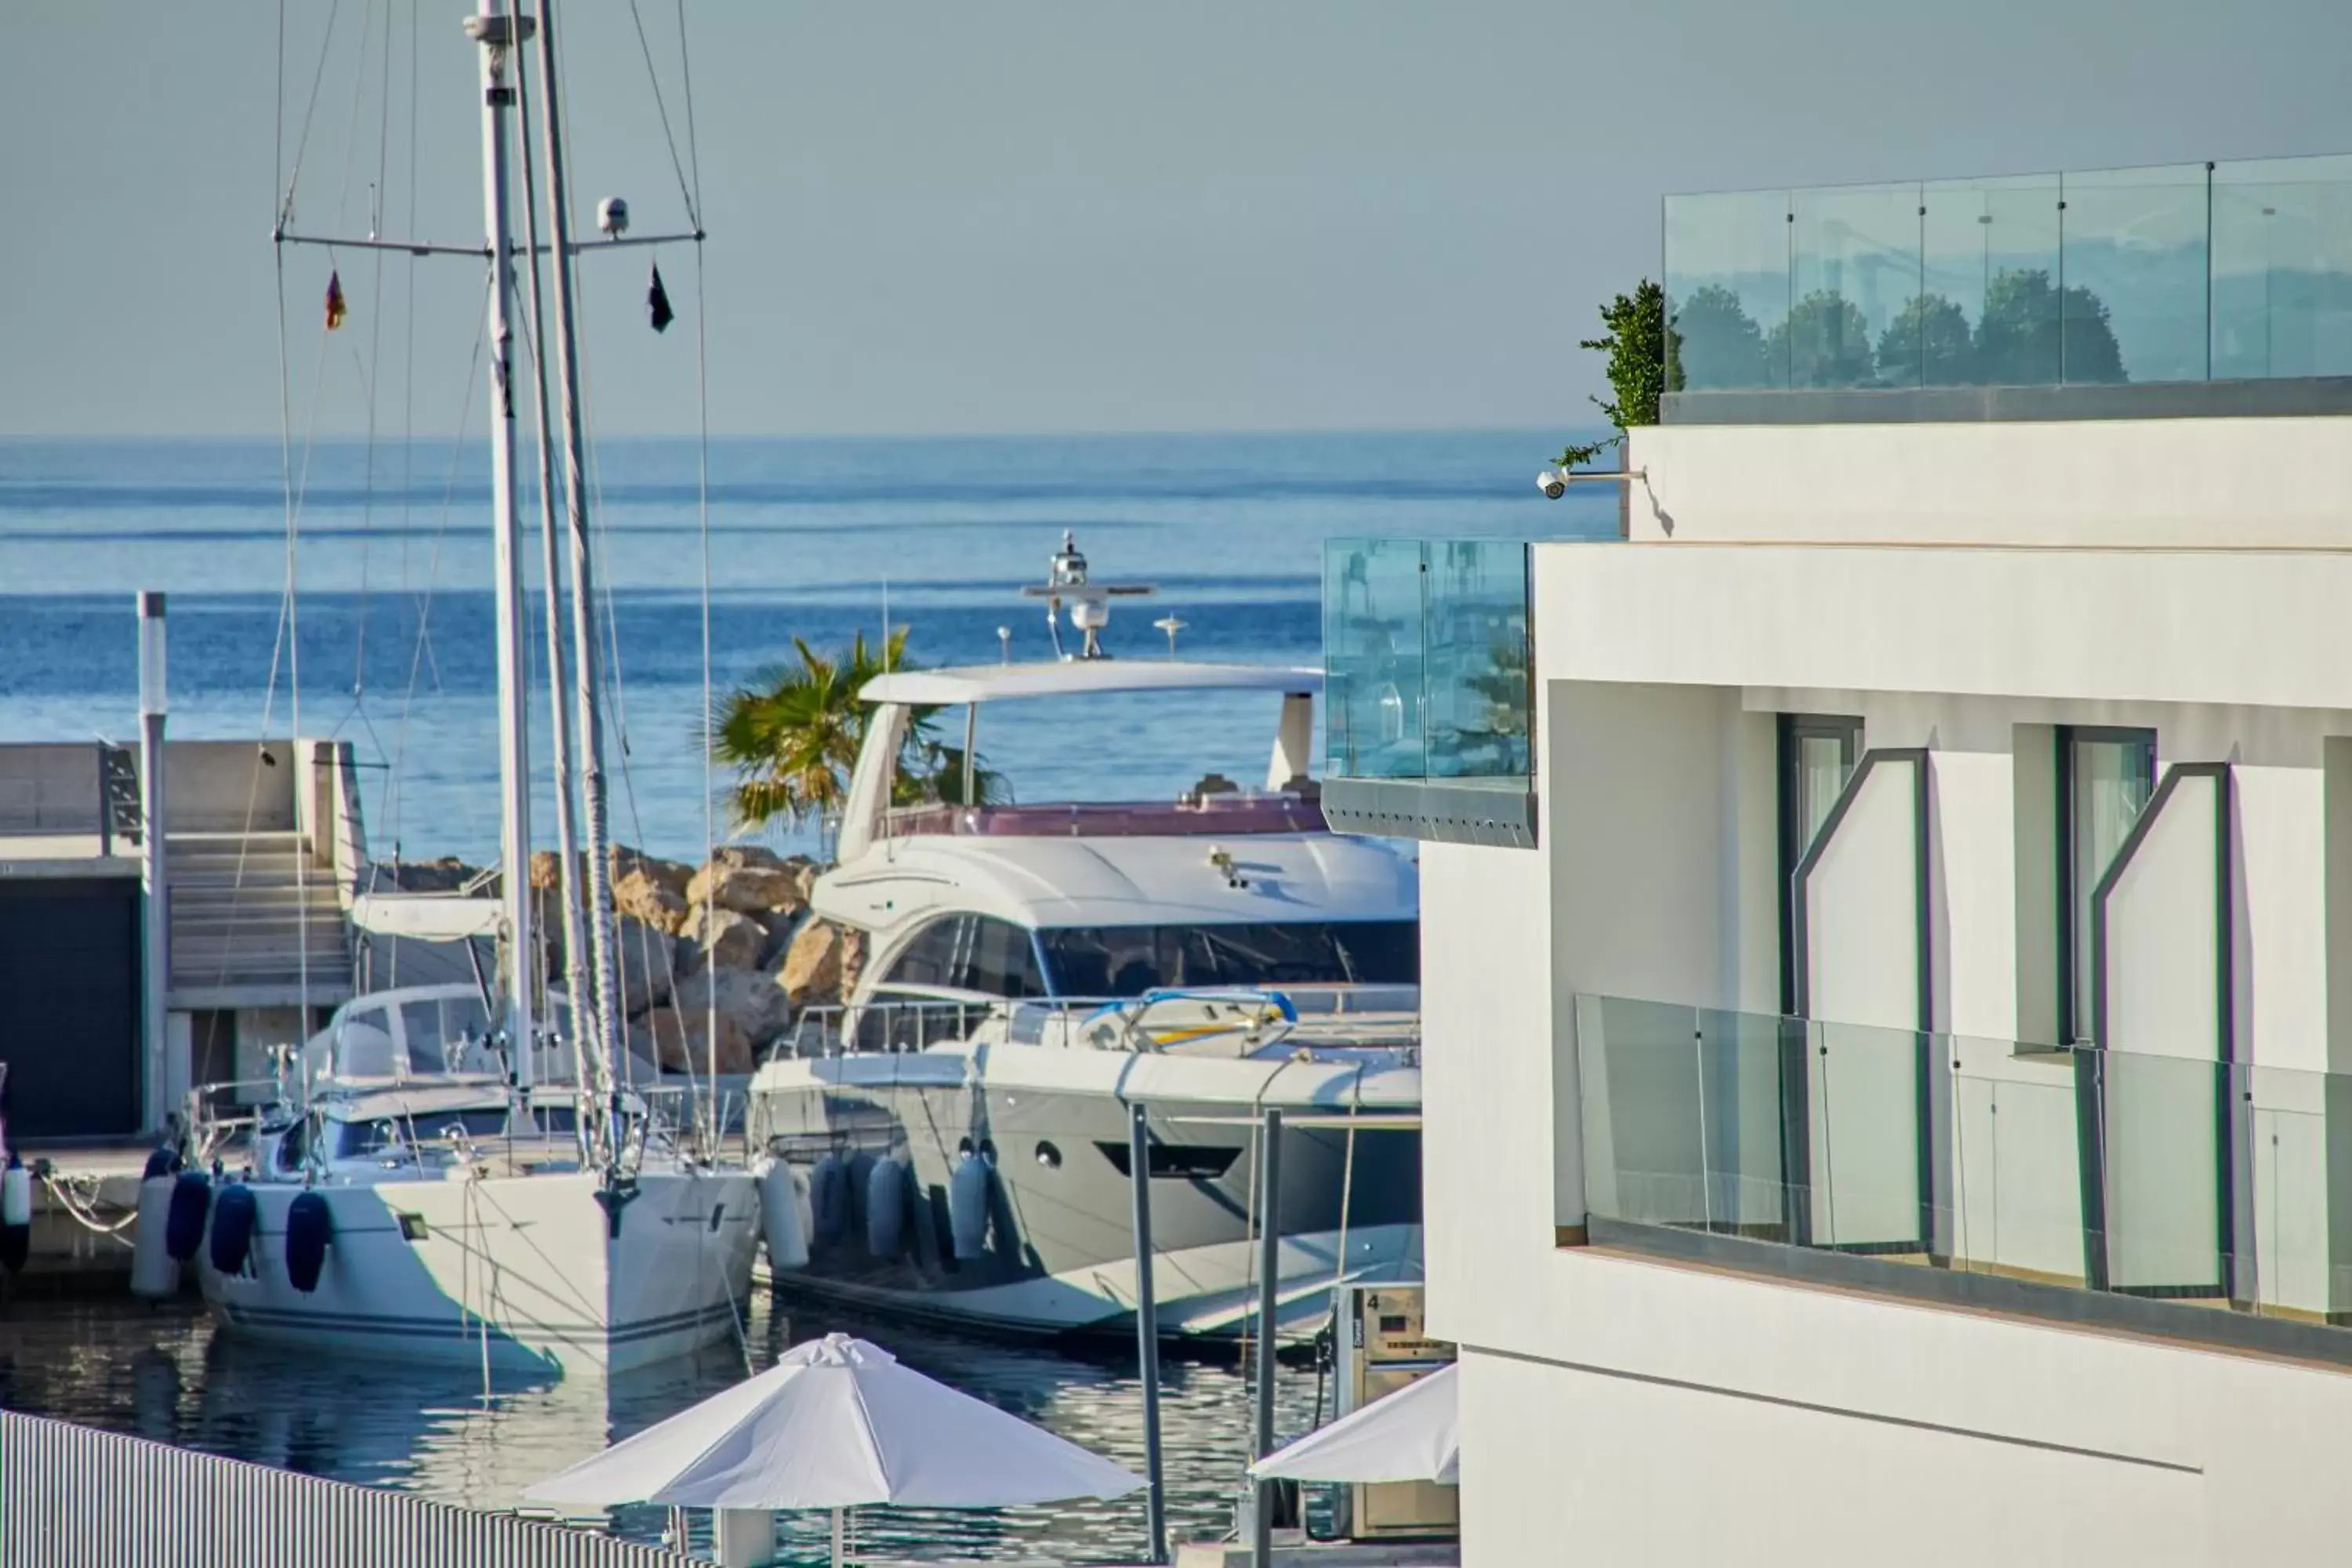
x=1553, y=483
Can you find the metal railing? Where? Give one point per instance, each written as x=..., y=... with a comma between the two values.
x=73, y=1496
x=1379, y=1016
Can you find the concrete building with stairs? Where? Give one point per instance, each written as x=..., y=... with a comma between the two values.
x=263, y=857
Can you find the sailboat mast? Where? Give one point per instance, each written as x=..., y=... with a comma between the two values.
x=590, y=736
x=559, y=687
x=490, y=30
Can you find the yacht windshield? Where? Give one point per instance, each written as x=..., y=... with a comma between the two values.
x=1127, y=961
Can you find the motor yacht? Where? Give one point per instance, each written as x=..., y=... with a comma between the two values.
x=954, y=1140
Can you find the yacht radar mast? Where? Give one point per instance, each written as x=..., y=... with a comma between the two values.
x=1066, y=578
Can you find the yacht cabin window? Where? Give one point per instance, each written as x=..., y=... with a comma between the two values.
x=1127, y=961
x=971, y=952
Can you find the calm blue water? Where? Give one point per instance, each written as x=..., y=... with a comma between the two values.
x=392, y=625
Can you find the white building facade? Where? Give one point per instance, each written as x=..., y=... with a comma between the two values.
x=1889, y=1012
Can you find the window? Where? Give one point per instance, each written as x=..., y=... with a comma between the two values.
x=930, y=959
x=1127, y=961
x=2105, y=778
x=971, y=952
x=1818, y=755
x=1000, y=959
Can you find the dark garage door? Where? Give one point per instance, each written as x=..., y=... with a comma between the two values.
x=69, y=1005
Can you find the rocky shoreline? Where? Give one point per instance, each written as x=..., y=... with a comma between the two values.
x=735, y=931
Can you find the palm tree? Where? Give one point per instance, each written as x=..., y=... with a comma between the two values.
x=792, y=733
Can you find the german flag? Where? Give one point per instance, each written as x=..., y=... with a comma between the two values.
x=334, y=300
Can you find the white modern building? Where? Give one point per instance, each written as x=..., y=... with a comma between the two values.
x=1887, y=920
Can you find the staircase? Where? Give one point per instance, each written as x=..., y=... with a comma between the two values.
x=249, y=914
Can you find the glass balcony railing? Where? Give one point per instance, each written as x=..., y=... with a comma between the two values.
x=2160, y=1177
x=2194, y=272
x=1426, y=675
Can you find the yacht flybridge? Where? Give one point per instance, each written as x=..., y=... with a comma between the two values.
x=953, y=1141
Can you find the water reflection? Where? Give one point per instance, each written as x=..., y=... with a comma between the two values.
x=165, y=1374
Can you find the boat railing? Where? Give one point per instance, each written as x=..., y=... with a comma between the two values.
x=1384, y=1017
x=1229, y=812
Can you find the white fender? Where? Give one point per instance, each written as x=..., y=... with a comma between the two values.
x=886, y=1208
x=968, y=1194
x=154, y=1272
x=780, y=1197
x=16, y=1196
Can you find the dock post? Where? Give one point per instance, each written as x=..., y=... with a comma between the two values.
x=1269, y=1254
x=1147, y=1331
x=155, y=948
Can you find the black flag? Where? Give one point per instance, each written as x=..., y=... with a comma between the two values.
x=658, y=302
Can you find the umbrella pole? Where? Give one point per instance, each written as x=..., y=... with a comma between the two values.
x=1146, y=1332
x=836, y=1537
x=1269, y=1238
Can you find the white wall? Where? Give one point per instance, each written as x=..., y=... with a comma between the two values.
x=1692, y=1417
x=1638, y=1412
x=2230, y=482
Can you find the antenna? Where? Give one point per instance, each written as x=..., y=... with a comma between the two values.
x=1066, y=578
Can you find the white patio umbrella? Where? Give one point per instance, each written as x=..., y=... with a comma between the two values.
x=1412, y=1435
x=836, y=1424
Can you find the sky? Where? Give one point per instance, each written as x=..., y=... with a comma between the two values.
x=1002, y=215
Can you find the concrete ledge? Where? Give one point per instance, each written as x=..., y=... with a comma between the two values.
x=1443, y=811
x=2205, y=1324
x=2283, y=397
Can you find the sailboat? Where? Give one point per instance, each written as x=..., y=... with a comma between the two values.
x=444, y=1173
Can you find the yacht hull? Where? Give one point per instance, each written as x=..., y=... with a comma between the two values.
x=521, y=1271
x=1058, y=1255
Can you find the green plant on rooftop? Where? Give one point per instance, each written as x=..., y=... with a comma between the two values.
x=2033, y=333
x=1639, y=368
x=1928, y=343
x=1825, y=341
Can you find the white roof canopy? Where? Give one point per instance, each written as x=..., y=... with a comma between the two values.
x=1412, y=1434
x=997, y=683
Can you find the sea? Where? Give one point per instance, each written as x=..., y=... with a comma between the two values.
x=343, y=590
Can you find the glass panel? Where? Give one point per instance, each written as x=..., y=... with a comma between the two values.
x=2160, y=1136
x=1475, y=638
x=1864, y=1085
x=1824, y=763
x=2132, y=275
x=2113, y=778
x=2017, y=1162
x=1727, y=269
x=1989, y=310
x=1854, y=271
x=2284, y=1126
x=1372, y=658
x=2283, y=268
x=1647, y=1120
x=2169, y=1178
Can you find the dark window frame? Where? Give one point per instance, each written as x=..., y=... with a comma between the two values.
x=1794, y=728
x=2071, y=929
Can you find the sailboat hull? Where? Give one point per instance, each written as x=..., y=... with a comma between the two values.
x=533, y=1272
